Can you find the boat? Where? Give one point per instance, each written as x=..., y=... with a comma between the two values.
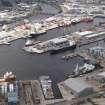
x=75, y=21
x=46, y=84
x=28, y=45
x=63, y=45
x=35, y=32
x=29, y=42
x=86, y=68
x=55, y=44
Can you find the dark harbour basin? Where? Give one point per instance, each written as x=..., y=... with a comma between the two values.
x=30, y=66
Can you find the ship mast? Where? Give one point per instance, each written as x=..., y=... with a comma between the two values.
x=76, y=69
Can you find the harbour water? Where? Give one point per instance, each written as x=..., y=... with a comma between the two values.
x=31, y=66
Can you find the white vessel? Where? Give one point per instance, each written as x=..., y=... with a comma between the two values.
x=86, y=68
x=46, y=84
x=53, y=45
x=29, y=42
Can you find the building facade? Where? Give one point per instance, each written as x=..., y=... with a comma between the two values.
x=78, y=87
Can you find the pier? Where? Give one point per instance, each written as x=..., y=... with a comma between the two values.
x=29, y=93
x=82, y=54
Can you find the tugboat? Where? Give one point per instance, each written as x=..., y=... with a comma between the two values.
x=29, y=42
x=37, y=31
x=40, y=32
x=46, y=84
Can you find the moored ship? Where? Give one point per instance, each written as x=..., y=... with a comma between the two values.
x=63, y=46
x=86, y=68
x=46, y=84
x=29, y=42
x=56, y=44
x=38, y=33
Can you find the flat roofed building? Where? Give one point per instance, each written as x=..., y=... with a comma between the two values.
x=100, y=77
x=78, y=87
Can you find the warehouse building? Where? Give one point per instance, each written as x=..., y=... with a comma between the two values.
x=78, y=87
x=100, y=77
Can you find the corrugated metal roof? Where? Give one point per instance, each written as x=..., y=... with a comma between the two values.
x=94, y=35
x=76, y=84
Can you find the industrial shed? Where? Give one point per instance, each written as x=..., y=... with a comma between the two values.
x=100, y=77
x=78, y=87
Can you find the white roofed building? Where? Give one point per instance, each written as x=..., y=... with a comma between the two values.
x=77, y=87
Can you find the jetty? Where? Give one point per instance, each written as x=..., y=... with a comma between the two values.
x=28, y=93
x=83, y=54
